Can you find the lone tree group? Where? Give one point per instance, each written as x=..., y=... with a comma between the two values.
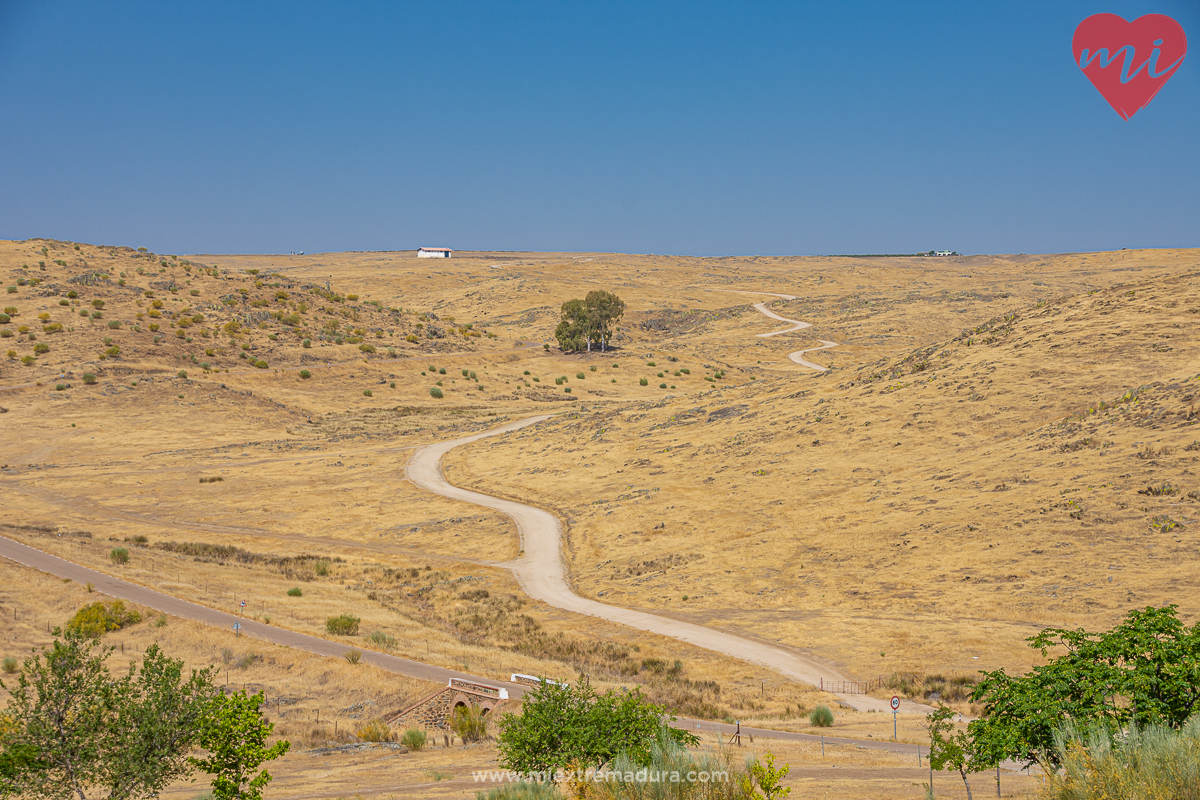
x=589, y=320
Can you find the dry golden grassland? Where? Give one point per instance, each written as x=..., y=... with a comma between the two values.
x=1001, y=443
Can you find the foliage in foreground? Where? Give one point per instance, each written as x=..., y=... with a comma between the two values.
x=234, y=733
x=1097, y=763
x=570, y=725
x=672, y=772
x=1145, y=670
x=521, y=791
x=71, y=729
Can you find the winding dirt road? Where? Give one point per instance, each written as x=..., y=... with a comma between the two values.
x=542, y=573
x=797, y=325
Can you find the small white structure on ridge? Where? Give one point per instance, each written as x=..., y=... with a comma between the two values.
x=433, y=252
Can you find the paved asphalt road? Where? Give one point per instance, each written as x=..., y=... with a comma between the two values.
x=167, y=604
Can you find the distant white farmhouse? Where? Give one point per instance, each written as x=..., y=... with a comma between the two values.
x=944, y=253
x=433, y=252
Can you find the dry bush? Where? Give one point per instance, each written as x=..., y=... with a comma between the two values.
x=374, y=730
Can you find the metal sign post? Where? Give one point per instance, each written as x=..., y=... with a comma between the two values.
x=895, y=708
x=237, y=629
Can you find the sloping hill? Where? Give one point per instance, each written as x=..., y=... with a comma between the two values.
x=120, y=312
x=1038, y=467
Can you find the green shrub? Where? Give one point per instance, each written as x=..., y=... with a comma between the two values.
x=28, y=360
x=10, y=666
x=442, y=371
x=579, y=375
x=436, y=393
x=666, y=757
x=344, y=625
x=662, y=386
x=41, y=349
x=685, y=371
x=381, y=639
x=643, y=382
x=413, y=739
x=368, y=393
x=532, y=790
x=89, y=378
x=821, y=717
x=12, y=290
x=114, y=324
x=97, y=304
x=353, y=656
x=321, y=568
x=305, y=374
x=295, y=592
x=5, y=318
x=1142, y=762
x=10, y=310
x=96, y=619
x=181, y=374
x=307, y=343
x=119, y=555
x=469, y=723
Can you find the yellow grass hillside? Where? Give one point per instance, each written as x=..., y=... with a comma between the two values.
x=1001, y=443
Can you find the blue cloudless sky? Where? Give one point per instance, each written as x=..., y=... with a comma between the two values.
x=693, y=127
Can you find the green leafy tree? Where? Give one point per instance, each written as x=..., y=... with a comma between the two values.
x=953, y=749
x=562, y=726
x=572, y=330
x=73, y=730
x=234, y=732
x=589, y=320
x=765, y=777
x=604, y=310
x=156, y=719
x=1146, y=670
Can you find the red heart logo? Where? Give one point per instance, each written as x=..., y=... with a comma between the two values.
x=1129, y=61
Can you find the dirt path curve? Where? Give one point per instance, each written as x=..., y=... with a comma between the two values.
x=797, y=325
x=542, y=573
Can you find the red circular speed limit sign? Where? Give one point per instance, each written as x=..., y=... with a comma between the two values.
x=895, y=702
